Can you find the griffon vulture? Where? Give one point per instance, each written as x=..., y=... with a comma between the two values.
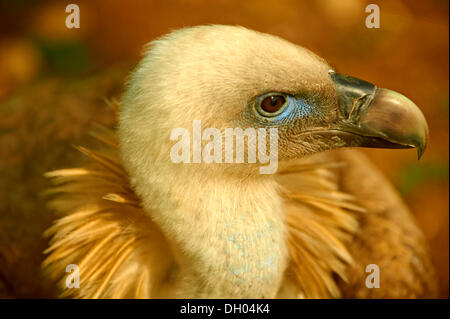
x=139, y=225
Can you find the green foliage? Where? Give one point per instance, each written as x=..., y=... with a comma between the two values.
x=68, y=57
x=417, y=173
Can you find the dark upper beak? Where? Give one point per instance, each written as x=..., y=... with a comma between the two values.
x=376, y=117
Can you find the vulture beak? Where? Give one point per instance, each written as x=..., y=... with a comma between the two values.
x=376, y=117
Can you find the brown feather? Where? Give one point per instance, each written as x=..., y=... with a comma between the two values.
x=101, y=229
x=104, y=231
x=320, y=222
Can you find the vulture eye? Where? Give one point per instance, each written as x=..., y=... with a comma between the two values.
x=271, y=104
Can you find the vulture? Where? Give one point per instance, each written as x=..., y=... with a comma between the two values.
x=324, y=223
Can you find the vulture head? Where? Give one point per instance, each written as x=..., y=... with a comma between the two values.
x=229, y=77
x=225, y=222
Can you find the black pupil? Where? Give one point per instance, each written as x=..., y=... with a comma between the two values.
x=272, y=103
x=274, y=100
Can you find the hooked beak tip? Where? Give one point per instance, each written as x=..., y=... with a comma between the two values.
x=420, y=151
x=377, y=117
x=396, y=118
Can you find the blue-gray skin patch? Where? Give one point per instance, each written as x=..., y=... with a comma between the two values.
x=251, y=248
x=295, y=109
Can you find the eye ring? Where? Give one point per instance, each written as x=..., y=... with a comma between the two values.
x=271, y=104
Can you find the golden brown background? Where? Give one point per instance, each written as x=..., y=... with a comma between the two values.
x=53, y=81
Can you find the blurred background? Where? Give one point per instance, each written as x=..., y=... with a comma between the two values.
x=53, y=82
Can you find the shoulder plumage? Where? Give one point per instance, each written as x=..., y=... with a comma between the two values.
x=321, y=221
x=101, y=228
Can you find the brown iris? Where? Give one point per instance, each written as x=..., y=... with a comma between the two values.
x=273, y=103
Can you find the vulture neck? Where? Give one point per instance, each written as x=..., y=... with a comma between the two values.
x=227, y=235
